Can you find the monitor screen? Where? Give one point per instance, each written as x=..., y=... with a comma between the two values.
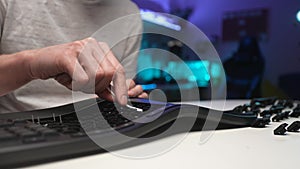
x=164, y=72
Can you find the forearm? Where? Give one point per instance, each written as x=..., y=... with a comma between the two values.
x=14, y=71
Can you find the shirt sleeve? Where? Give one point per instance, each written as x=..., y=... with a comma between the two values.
x=3, y=6
x=132, y=45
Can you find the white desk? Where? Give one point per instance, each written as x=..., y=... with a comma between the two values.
x=236, y=148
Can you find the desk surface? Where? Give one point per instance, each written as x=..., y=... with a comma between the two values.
x=234, y=148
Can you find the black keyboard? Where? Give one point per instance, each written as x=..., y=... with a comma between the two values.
x=34, y=137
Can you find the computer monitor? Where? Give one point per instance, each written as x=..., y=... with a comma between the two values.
x=167, y=74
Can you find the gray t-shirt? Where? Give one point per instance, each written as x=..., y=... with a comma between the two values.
x=27, y=24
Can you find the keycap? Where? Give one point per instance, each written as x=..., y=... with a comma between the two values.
x=277, y=118
x=5, y=123
x=17, y=129
x=286, y=114
x=267, y=119
x=49, y=132
x=276, y=109
x=260, y=123
x=281, y=130
x=28, y=134
x=240, y=108
x=33, y=139
x=20, y=121
x=264, y=101
x=295, y=113
x=266, y=112
x=7, y=136
x=294, y=127
x=69, y=131
x=40, y=129
x=286, y=103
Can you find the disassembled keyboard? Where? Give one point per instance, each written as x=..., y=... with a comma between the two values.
x=34, y=137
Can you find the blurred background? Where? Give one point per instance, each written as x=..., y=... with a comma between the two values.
x=257, y=41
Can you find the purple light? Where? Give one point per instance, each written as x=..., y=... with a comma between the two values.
x=159, y=19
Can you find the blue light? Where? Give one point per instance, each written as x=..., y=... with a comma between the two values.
x=159, y=19
x=168, y=78
x=298, y=16
x=149, y=86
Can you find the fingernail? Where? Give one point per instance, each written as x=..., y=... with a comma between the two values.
x=130, y=93
x=124, y=99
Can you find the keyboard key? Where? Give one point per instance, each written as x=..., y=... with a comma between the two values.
x=17, y=130
x=28, y=134
x=28, y=140
x=40, y=129
x=20, y=121
x=5, y=123
x=49, y=132
x=69, y=130
x=33, y=126
x=7, y=137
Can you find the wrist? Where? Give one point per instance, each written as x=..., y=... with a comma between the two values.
x=27, y=58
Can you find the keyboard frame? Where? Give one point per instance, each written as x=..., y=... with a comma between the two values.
x=76, y=147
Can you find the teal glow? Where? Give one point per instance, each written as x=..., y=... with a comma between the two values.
x=207, y=77
x=215, y=70
x=142, y=63
x=149, y=86
x=298, y=16
x=201, y=72
x=168, y=78
x=192, y=79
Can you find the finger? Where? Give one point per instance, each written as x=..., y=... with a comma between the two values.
x=136, y=91
x=63, y=79
x=77, y=73
x=109, y=55
x=119, y=79
x=100, y=73
x=106, y=95
x=102, y=59
x=87, y=59
x=143, y=95
x=101, y=82
x=130, y=83
x=119, y=86
x=104, y=74
x=105, y=69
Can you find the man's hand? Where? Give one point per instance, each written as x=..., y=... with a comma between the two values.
x=135, y=90
x=86, y=65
